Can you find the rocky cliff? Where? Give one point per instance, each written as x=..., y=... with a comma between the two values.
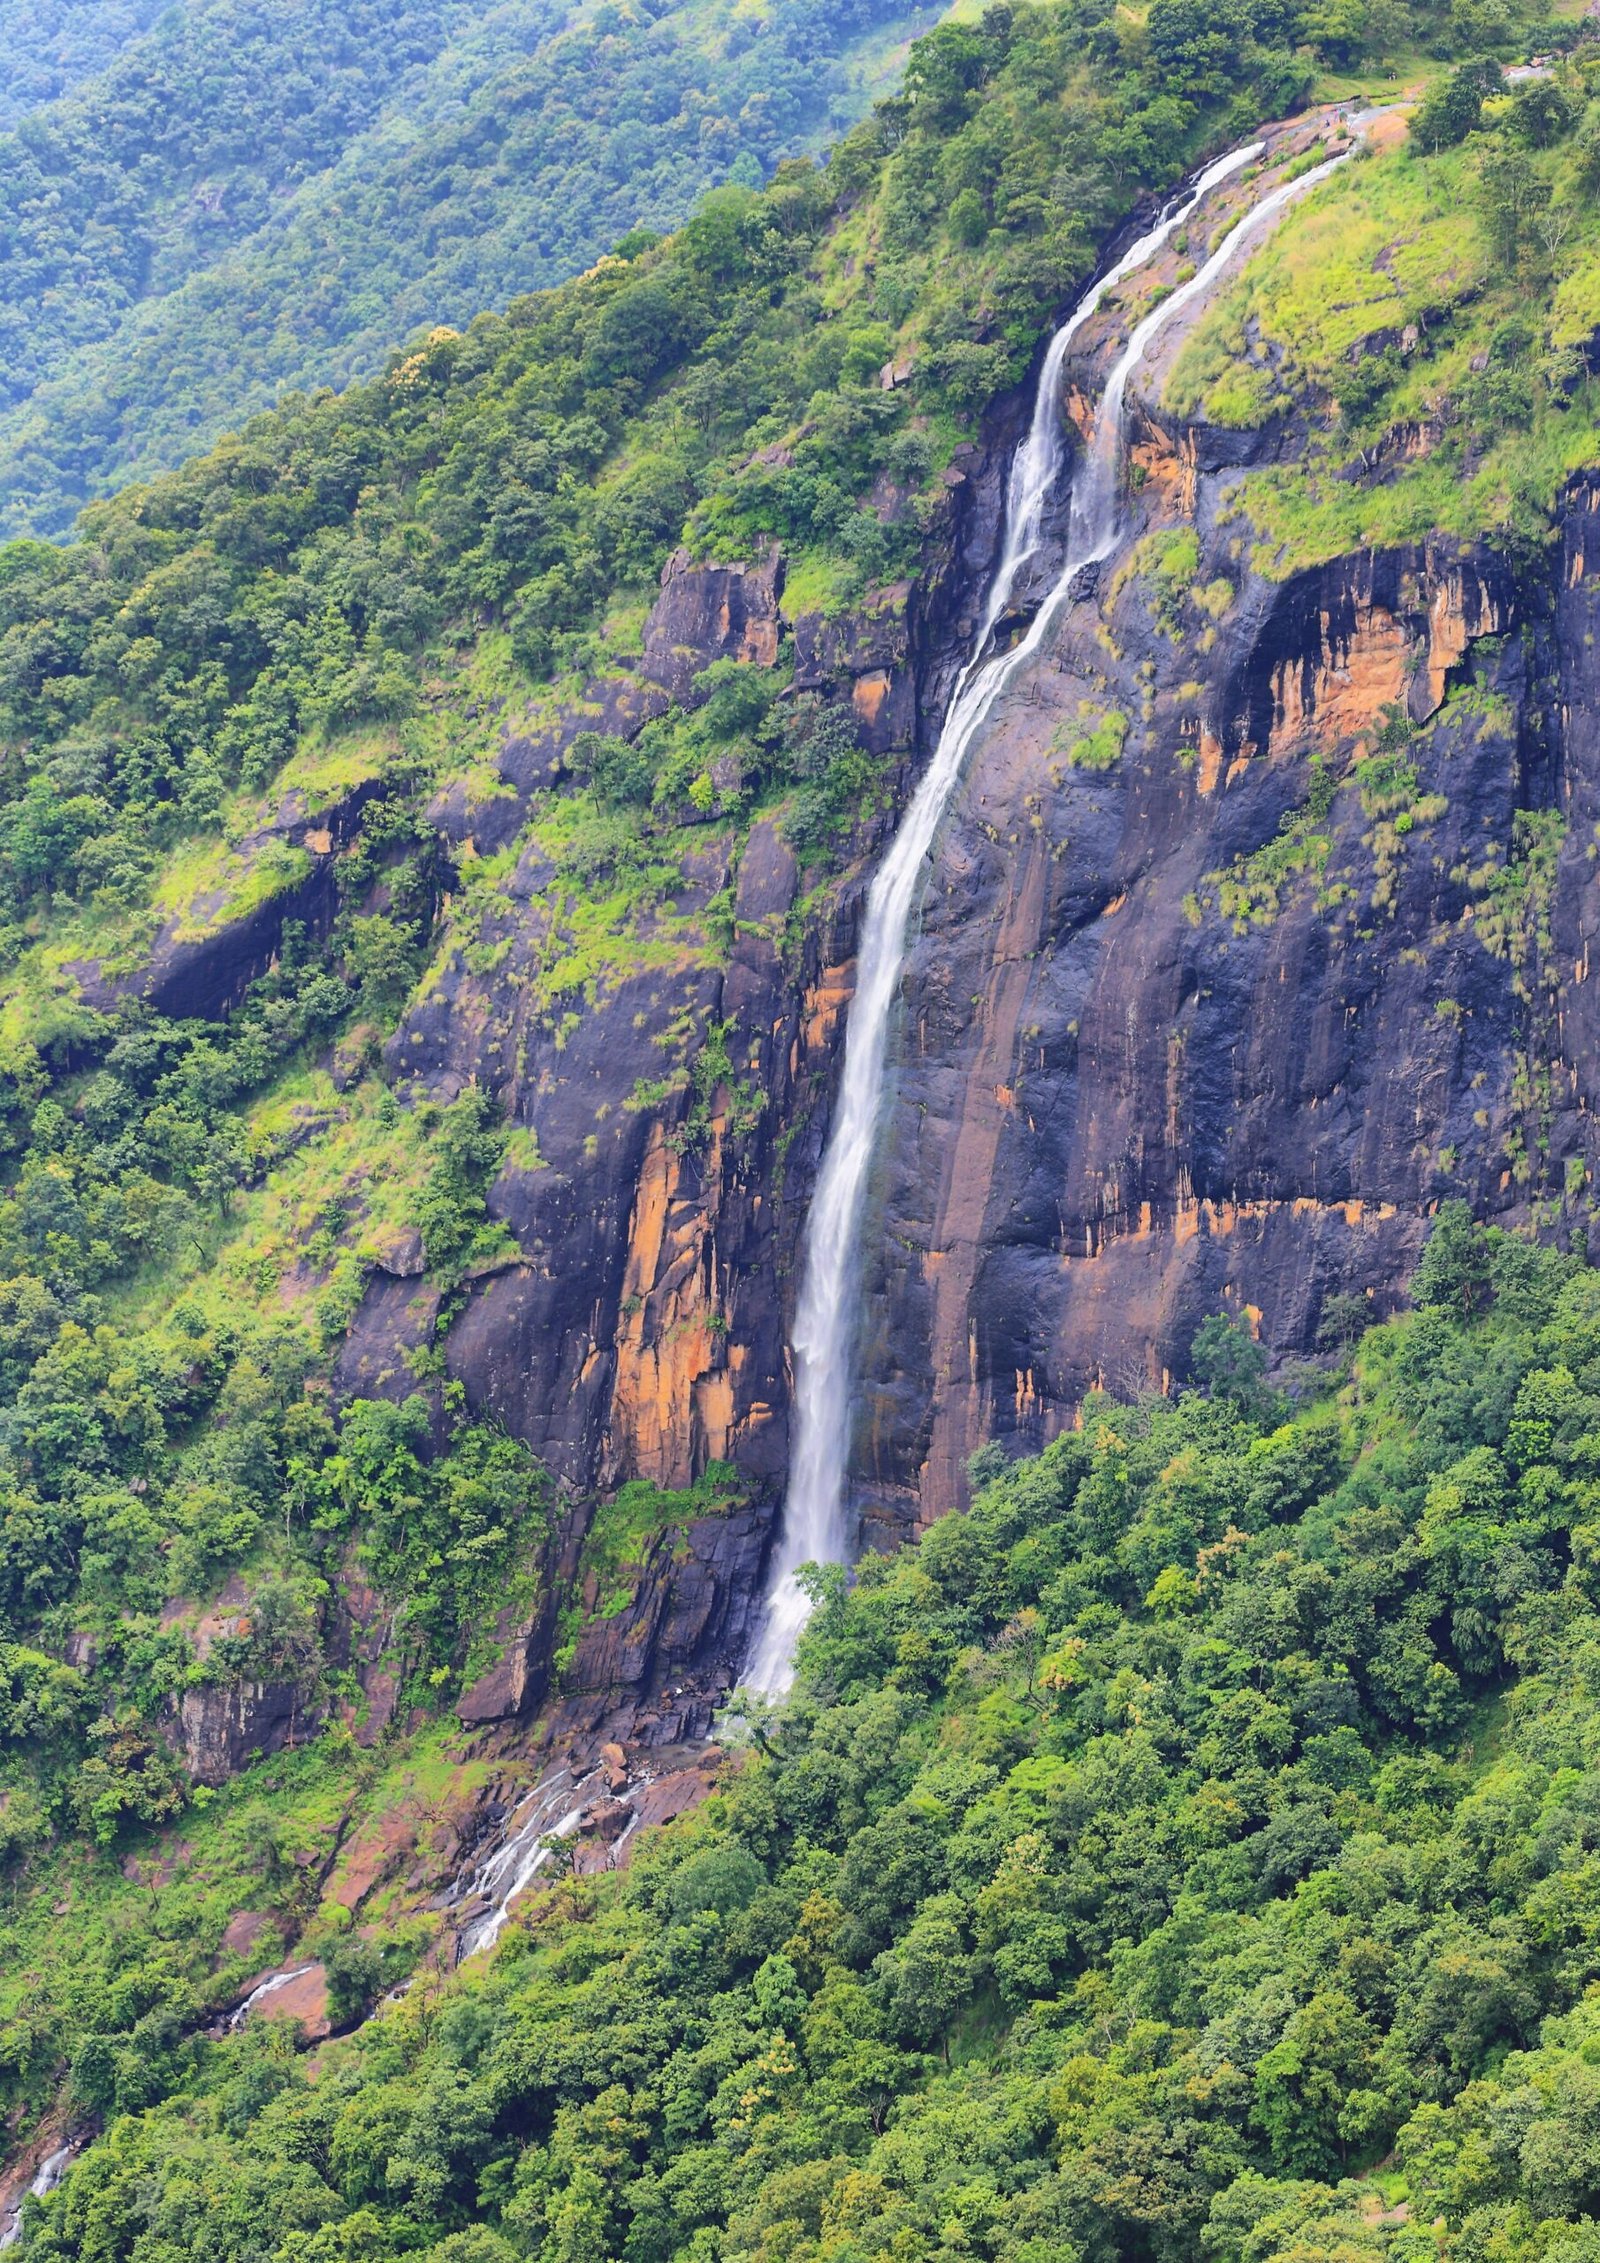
x=1259, y=928
x=642, y=1330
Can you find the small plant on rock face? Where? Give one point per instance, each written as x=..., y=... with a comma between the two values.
x=1168, y=561
x=451, y=1209
x=1099, y=738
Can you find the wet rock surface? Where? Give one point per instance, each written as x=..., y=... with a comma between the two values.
x=296, y=1995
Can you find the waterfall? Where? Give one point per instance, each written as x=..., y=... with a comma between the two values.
x=552, y=1810
x=49, y=2174
x=815, y=1526
x=268, y=1987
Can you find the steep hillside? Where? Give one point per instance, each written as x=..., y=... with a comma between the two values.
x=1261, y=926
x=250, y=199
x=435, y=829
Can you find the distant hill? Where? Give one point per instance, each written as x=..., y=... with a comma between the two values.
x=245, y=200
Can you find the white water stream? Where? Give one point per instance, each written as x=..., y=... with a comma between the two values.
x=551, y=1811
x=49, y=2174
x=266, y=1988
x=815, y=1523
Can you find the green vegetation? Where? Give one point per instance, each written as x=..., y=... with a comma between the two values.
x=1166, y=561
x=1440, y=298
x=49, y=46
x=250, y=200
x=1050, y=1932
x=1096, y=742
x=1187, y=1852
x=1252, y=891
x=345, y=601
x=1379, y=791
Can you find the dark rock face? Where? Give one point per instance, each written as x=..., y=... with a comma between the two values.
x=203, y=963
x=395, y=1319
x=868, y=655
x=223, y=1726
x=653, y=1674
x=1261, y=925
x=708, y=613
x=642, y=1331
x=219, y=1726
x=1218, y=1026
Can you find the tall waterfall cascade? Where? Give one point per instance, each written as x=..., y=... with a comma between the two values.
x=815, y=1525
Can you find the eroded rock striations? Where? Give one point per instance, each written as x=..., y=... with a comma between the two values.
x=1261, y=926
x=1218, y=1024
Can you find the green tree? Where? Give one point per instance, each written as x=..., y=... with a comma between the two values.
x=1509, y=195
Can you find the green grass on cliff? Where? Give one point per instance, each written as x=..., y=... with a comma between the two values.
x=1442, y=370
x=1382, y=245
x=382, y=586
x=192, y=1211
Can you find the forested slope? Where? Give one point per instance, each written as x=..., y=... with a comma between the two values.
x=1189, y=1852
x=261, y=733
x=249, y=199
x=49, y=46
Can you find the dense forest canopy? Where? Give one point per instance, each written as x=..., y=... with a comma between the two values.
x=49, y=46
x=1191, y=1851
x=251, y=198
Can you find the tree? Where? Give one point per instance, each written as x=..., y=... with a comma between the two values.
x=928, y=1973
x=1226, y=1360
x=1509, y=195
x=1586, y=155
x=354, y=1965
x=1453, y=107
x=1455, y=1270
x=1304, y=2083
x=1541, y=115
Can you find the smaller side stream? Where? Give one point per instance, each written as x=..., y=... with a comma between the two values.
x=551, y=1812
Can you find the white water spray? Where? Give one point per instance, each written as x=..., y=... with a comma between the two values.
x=49, y=2174
x=815, y=1528
x=553, y=1810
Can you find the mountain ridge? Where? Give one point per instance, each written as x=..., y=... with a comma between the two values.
x=175, y=262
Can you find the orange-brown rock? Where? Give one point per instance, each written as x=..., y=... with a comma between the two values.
x=300, y=1999
x=246, y=1932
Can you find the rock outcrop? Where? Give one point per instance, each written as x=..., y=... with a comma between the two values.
x=642, y=1330
x=221, y=1724
x=204, y=956
x=1218, y=1025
